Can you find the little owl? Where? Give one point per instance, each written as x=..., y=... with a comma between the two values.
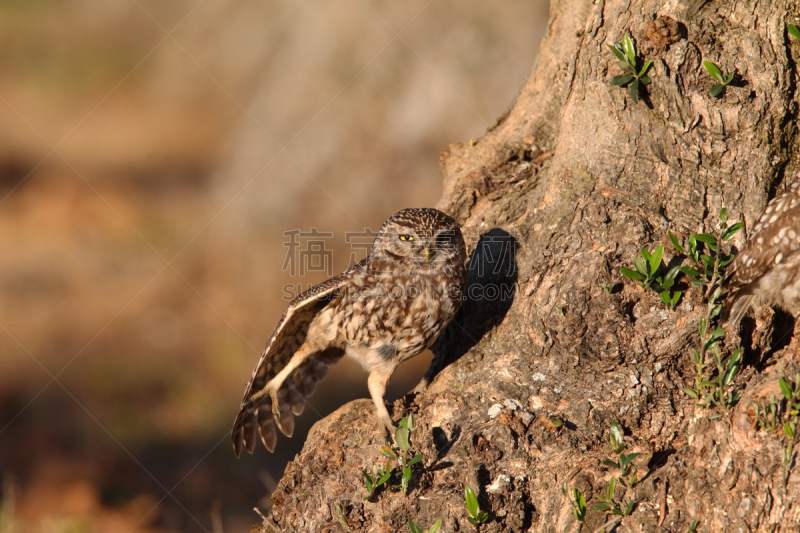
x=385, y=309
x=768, y=265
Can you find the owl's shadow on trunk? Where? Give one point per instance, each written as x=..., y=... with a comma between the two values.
x=491, y=286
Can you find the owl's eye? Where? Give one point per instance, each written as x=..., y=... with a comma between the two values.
x=406, y=237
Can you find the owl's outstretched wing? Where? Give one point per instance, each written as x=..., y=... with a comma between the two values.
x=289, y=335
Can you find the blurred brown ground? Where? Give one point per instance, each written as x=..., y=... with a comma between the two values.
x=152, y=155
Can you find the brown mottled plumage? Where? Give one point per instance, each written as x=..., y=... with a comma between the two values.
x=384, y=310
x=768, y=265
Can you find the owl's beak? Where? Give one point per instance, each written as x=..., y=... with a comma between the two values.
x=426, y=253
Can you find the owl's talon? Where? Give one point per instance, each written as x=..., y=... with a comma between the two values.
x=276, y=408
x=385, y=423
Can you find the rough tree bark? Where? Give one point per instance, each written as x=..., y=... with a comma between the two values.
x=580, y=179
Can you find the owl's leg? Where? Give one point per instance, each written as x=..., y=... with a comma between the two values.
x=273, y=385
x=378, y=378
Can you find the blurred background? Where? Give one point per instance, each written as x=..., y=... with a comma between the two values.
x=153, y=157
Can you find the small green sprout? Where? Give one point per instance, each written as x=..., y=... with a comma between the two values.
x=577, y=501
x=646, y=273
x=720, y=393
x=624, y=463
x=793, y=31
x=404, y=463
x=709, y=268
x=767, y=414
x=722, y=81
x=402, y=436
x=477, y=516
x=416, y=529
x=693, y=527
x=341, y=515
x=628, y=62
x=607, y=504
x=791, y=416
x=378, y=478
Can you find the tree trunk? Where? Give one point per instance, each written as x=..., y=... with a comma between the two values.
x=578, y=178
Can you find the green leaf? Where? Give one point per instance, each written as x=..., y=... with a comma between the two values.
x=675, y=242
x=676, y=298
x=619, y=55
x=666, y=298
x=616, y=435
x=645, y=80
x=788, y=430
x=644, y=69
x=630, y=50
x=693, y=527
x=415, y=459
x=731, y=231
x=672, y=273
x=387, y=452
x=404, y=422
x=639, y=265
x=793, y=31
x=581, y=502
x=729, y=77
x=411, y=422
x=621, y=80
x=635, y=91
x=707, y=238
x=385, y=477
x=612, y=483
x=693, y=272
x=601, y=507
x=713, y=71
x=716, y=90
x=626, y=67
x=723, y=215
x=628, y=273
x=691, y=393
x=631, y=456
x=471, y=500
x=655, y=259
x=482, y=516
x=401, y=436
x=617, y=512
x=435, y=527
x=406, y=476
x=730, y=375
x=716, y=334
x=472, y=521
x=414, y=527
x=785, y=389
x=611, y=464
x=370, y=481
x=630, y=507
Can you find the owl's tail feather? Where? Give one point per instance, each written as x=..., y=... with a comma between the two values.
x=734, y=313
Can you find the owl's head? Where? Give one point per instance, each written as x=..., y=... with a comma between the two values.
x=421, y=237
